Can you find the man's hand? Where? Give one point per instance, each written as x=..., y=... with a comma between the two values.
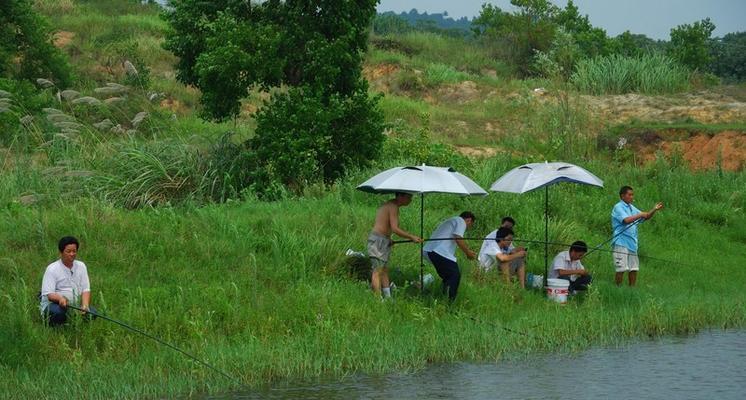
x=658, y=206
x=471, y=255
x=62, y=301
x=417, y=239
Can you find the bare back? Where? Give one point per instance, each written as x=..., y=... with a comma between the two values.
x=386, y=216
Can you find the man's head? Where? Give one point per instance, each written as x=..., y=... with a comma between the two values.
x=68, y=247
x=507, y=222
x=578, y=250
x=468, y=217
x=627, y=194
x=403, y=198
x=504, y=237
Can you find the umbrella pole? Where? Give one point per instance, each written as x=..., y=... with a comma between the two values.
x=546, y=235
x=422, y=228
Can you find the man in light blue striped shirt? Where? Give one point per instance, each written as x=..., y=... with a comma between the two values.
x=624, y=220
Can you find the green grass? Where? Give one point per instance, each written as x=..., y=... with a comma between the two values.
x=260, y=289
x=649, y=74
x=253, y=287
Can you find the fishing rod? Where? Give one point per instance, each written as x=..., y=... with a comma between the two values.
x=513, y=331
x=95, y=314
x=597, y=248
x=615, y=235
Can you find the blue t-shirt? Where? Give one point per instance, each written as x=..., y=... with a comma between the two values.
x=628, y=238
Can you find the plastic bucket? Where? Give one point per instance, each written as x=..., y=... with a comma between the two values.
x=557, y=290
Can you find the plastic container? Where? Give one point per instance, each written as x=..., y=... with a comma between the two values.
x=557, y=290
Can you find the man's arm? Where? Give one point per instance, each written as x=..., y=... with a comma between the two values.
x=653, y=210
x=58, y=298
x=512, y=256
x=565, y=272
x=394, y=224
x=461, y=243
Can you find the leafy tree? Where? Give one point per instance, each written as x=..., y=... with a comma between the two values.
x=390, y=23
x=321, y=120
x=26, y=50
x=729, y=56
x=690, y=44
x=227, y=46
x=591, y=41
x=518, y=36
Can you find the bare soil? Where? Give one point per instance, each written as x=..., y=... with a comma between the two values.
x=701, y=152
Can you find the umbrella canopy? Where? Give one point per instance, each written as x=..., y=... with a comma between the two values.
x=533, y=176
x=422, y=179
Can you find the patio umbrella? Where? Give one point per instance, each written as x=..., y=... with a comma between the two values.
x=534, y=176
x=420, y=180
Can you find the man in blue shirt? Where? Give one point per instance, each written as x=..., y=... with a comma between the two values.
x=624, y=220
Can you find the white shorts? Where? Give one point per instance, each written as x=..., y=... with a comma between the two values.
x=625, y=260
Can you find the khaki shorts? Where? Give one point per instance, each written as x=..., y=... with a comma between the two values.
x=625, y=260
x=379, y=250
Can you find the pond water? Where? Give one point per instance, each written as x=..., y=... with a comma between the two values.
x=709, y=365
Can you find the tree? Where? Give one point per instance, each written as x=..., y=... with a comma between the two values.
x=690, y=44
x=320, y=120
x=729, y=56
x=26, y=50
x=591, y=41
x=518, y=36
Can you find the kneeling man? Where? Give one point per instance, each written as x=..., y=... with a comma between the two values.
x=65, y=282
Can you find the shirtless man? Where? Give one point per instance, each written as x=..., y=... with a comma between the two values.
x=379, y=241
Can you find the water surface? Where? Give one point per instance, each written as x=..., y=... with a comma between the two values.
x=711, y=365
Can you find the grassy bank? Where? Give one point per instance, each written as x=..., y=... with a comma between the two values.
x=257, y=288
x=261, y=289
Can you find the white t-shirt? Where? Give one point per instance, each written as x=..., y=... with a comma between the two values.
x=452, y=227
x=69, y=282
x=489, y=251
x=562, y=261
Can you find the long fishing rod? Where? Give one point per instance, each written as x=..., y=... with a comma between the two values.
x=513, y=331
x=159, y=341
x=597, y=248
x=615, y=235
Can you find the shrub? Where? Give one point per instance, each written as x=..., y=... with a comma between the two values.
x=305, y=136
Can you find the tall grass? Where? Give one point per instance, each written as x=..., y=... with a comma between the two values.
x=615, y=74
x=252, y=287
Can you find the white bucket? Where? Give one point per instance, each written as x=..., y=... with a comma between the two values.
x=557, y=290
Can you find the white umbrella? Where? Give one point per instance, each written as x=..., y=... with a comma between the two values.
x=422, y=179
x=534, y=176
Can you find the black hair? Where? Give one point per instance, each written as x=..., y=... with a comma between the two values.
x=624, y=190
x=507, y=219
x=502, y=233
x=66, y=241
x=579, y=246
x=468, y=214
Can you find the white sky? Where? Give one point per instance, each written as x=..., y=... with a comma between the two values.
x=654, y=18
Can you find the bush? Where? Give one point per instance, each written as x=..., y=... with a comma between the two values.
x=615, y=74
x=304, y=136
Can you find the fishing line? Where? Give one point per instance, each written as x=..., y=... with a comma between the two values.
x=513, y=331
x=159, y=341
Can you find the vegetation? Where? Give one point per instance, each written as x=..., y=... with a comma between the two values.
x=651, y=74
x=179, y=241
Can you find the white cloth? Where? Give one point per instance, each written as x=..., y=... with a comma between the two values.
x=69, y=282
x=489, y=251
x=450, y=228
x=562, y=261
x=625, y=260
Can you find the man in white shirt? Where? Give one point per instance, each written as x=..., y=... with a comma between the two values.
x=567, y=265
x=442, y=253
x=497, y=250
x=65, y=282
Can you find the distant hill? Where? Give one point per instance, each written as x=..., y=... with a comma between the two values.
x=438, y=20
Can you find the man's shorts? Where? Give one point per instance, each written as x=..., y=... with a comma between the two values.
x=625, y=260
x=379, y=250
x=515, y=265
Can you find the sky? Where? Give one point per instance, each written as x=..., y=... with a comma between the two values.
x=654, y=18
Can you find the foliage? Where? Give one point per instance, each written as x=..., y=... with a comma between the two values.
x=591, y=41
x=690, y=44
x=225, y=47
x=729, y=56
x=416, y=146
x=559, y=62
x=650, y=74
x=308, y=136
x=390, y=23
x=517, y=37
x=26, y=51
